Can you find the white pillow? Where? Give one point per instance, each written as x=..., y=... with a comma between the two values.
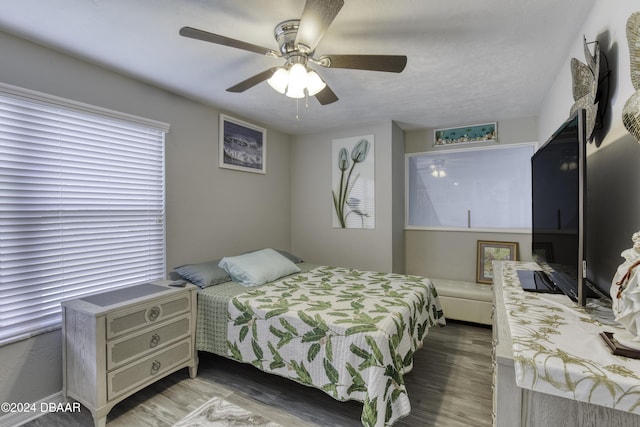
x=258, y=268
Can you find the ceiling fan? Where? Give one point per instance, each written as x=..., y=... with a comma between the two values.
x=297, y=40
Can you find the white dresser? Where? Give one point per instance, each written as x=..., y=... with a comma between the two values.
x=117, y=342
x=551, y=367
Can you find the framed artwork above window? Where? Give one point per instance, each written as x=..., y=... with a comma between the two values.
x=487, y=132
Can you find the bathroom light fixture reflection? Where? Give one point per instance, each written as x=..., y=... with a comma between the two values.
x=437, y=169
x=569, y=162
x=439, y=173
x=568, y=165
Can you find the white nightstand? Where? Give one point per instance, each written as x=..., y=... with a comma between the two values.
x=118, y=342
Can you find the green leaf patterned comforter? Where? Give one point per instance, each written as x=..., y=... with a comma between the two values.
x=347, y=332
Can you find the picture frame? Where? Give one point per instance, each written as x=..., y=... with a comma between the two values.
x=489, y=251
x=242, y=146
x=485, y=132
x=353, y=182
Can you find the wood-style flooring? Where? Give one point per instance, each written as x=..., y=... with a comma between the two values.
x=450, y=385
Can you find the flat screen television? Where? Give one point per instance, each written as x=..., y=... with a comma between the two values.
x=558, y=172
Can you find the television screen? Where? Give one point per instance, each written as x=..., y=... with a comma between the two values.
x=558, y=179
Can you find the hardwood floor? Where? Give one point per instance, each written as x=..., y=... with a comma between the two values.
x=450, y=385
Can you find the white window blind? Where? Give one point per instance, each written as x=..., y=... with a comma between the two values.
x=81, y=207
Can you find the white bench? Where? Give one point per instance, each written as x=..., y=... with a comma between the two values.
x=467, y=301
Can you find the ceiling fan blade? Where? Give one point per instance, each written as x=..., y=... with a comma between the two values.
x=389, y=63
x=317, y=16
x=206, y=36
x=252, y=81
x=326, y=96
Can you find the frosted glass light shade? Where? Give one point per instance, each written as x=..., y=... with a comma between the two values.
x=293, y=92
x=297, y=81
x=314, y=83
x=279, y=80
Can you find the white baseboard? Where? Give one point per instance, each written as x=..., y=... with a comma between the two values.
x=15, y=419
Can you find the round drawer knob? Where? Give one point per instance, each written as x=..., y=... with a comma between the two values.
x=153, y=313
x=155, y=340
x=155, y=367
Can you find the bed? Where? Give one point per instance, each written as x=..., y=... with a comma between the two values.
x=350, y=333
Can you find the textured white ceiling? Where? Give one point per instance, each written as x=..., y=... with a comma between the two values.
x=469, y=61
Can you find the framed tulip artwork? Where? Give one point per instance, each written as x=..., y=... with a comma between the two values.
x=353, y=182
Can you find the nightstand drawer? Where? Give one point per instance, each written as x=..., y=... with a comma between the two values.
x=127, y=348
x=134, y=375
x=142, y=315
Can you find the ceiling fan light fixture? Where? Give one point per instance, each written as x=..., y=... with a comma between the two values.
x=280, y=80
x=296, y=82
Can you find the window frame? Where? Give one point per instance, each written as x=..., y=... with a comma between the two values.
x=440, y=152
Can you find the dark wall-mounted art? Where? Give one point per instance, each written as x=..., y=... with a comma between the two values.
x=243, y=146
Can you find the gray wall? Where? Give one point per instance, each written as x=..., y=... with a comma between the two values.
x=200, y=197
x=613, y=159
x=312, y=234
x=452, y=254
x=397, y=199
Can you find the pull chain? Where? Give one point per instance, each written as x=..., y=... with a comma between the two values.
x=306, y=104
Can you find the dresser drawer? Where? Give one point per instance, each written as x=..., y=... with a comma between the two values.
x=125, y=349
x=148, y=369
x=142, y=315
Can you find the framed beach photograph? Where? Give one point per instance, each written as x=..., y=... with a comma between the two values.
x=242, y=146
x=489, y=251
x=487, y=132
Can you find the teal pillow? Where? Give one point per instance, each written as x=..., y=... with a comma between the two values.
x=259, y=267
x=203, y=274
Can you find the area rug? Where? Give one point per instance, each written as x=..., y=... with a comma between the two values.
x=218, y=412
